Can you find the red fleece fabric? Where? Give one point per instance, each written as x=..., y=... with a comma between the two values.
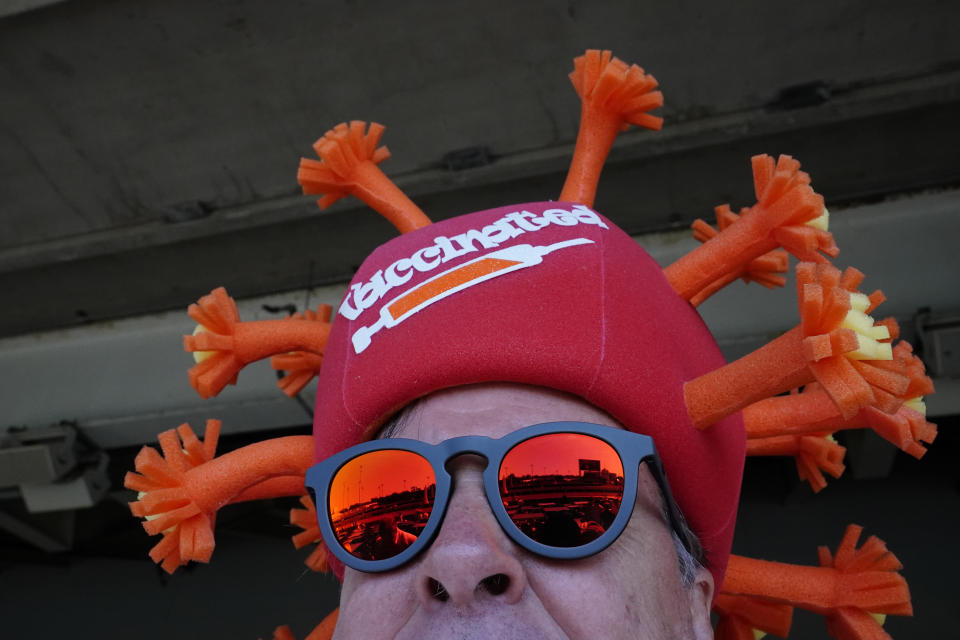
x=596, y=319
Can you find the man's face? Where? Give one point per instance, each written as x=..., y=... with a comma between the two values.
x=474, y=582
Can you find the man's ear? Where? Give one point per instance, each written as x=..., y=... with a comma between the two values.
x=701, y=597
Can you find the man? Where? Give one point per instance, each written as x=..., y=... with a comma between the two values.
x=587, y=330
x=541, y=335
x=483, y=325
x=474, y=582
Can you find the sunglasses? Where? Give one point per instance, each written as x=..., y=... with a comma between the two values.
x=560, y=489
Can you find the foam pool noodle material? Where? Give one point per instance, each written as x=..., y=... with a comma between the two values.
x=300, y=367
x=306, y=519
x=742, y=617
x=828, y=354
x=786, y=205
x=323, y=631
x=765, y=270
x=846, y=588
x=813, y=410
x=181, y=491
x=348, y=166
x=613, y=95
x=818, y=349
x=229, y=344
x=813, y=453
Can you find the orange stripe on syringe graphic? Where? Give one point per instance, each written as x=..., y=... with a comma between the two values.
x=456, y=279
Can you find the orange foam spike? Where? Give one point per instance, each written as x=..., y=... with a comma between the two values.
x=855, y=624
x=816, y=350
x=818, y=454
x=891, y=325
x=159, y=480
x=324, y=630
x=278, y=487
x=813, y=411
x=907, y=429
x=283, y=633
x=765, y=270
x=846, y=387
x=348, y=166
x=613, y=95
x=230, y=344
x=300, y=367
x=785, y=203
x=813, y=454
x=306, y=519
x=187, y=493
x=776, y=367
x=894, y=381
x=920, y=383
x=864, y=579
x=740, y=615
x=807, y=412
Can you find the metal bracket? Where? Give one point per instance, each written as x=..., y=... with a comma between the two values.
x=81, y=489
x=54, y=468
x=939, y=343
x=37, y=455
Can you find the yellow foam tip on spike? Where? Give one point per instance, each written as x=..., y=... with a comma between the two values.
x=757, y=634
x=917, y=404
x=821, y=222
x=859, y=301
x=870, y=349
x=863, y=324
x=200, y=356
x=879, y=617
x=865, y=328
x=858, y=321
x=879, y=333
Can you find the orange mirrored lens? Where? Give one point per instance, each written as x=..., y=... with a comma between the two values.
x=380, y=502
x=562, y=489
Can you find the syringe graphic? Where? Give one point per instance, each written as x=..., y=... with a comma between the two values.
x=456, y=279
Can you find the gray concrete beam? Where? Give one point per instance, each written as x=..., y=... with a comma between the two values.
x=124, y=381
x=156, y=268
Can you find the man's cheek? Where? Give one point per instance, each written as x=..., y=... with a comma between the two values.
x=374, y=606
x=577, y=594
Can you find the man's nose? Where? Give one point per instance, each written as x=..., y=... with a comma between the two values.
x=471, y=561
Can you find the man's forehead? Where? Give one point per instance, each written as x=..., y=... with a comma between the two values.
x=491, y=409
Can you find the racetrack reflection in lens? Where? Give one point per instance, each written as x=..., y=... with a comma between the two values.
x=380, y=501
x=562, y=489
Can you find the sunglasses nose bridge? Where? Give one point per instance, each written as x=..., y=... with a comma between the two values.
x=476, y=446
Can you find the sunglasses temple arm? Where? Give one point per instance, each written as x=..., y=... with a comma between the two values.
x=677, y=522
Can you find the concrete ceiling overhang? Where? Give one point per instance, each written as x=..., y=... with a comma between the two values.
x=150, y=149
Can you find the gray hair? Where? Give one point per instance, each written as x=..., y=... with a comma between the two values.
x=688, y=563
x=690, y=553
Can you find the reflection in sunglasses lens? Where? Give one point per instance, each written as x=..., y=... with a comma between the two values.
x=562, y=489
x=380, y=502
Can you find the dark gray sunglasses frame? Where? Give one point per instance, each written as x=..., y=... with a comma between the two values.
x=633, y=449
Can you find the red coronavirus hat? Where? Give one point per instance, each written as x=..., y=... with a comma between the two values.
x=548, y=294
x=554, y=294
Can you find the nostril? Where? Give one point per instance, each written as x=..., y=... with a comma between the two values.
x=495, y=584
x=437, y=590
